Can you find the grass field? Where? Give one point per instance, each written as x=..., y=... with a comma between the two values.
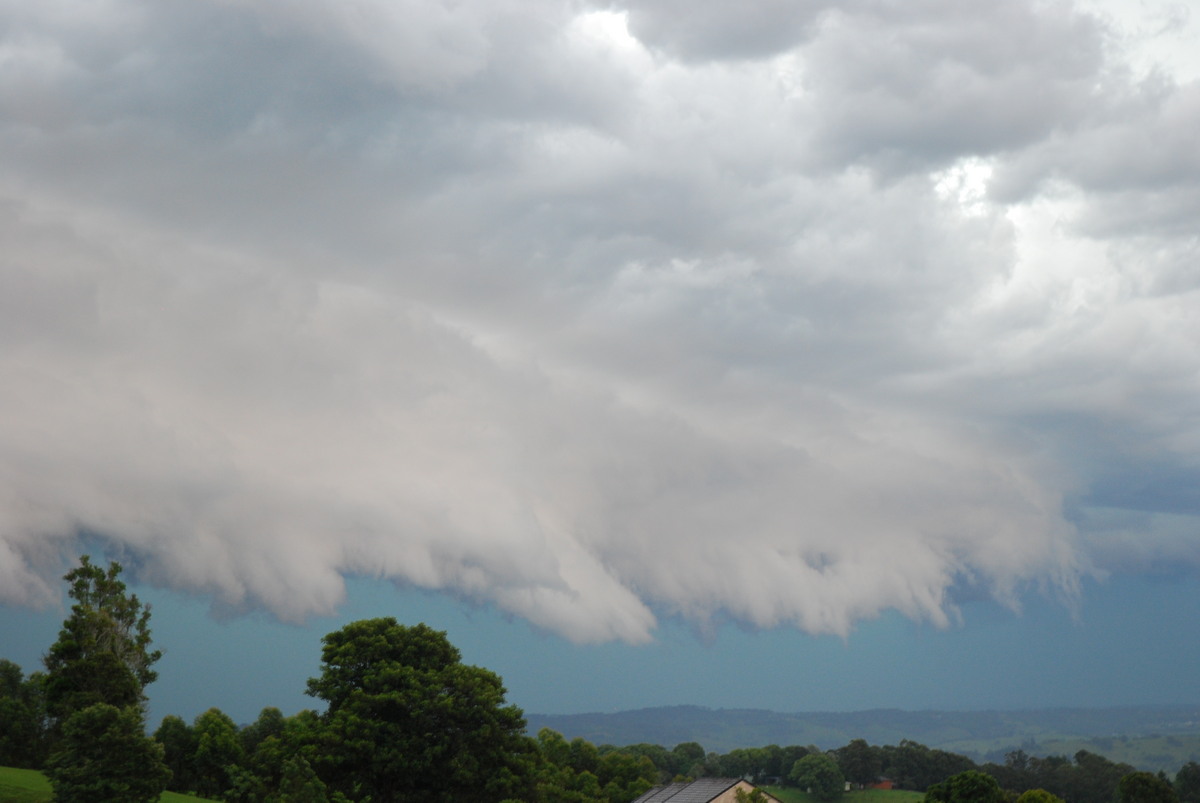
x=788, y=795
x=30, y=786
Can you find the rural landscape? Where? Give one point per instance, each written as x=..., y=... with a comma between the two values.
x=406, y=720
x=599, y=401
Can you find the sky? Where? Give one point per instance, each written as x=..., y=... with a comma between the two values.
x=803, y=355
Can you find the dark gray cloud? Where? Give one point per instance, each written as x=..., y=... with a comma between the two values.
x=795, y=316
x=714, y=31
x=911, y=88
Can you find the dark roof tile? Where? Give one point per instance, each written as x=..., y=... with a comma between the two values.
x=698, y=791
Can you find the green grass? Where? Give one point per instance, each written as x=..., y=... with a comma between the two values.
x=790, y=795
x=23, y=786
x=31, y=786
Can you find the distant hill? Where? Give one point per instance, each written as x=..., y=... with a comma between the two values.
x=982, y=735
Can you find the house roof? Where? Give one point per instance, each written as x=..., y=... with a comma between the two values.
x=698, y=791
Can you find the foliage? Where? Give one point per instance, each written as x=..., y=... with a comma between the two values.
x=1088, y=777
x=688, y=759
x=95, y=675
x=578, y=772
x=283, y=751
x=300, y=783
x=1187, y=783
x=1038, y=796
x=790, y=794
x=912, y=765
x=751, y=796
x=819, y=774
x=971, y=786
x=625, y=776
x=104, y=754
x=408, y=721
x=103, y=653
x=270, y=722
x=1145, y=787
x=179, y=748
x=218, y=751
x=23, y=714
x=860, y=762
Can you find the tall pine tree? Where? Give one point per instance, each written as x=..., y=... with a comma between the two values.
x=96, y=674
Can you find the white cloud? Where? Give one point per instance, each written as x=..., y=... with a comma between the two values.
x=562, y=310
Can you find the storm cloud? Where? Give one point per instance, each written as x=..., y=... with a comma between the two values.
x=597, y=313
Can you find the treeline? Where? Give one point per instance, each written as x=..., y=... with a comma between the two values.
x=406, y=720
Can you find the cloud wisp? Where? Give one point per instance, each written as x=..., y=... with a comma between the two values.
x=594, y=318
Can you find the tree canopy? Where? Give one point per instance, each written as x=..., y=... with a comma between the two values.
x=971, y=786
x=104, y=755
x=103, y=653
x=1145, y=787
x=22, y=716
x=408, y=721
x=96, y=673
x=820, y=774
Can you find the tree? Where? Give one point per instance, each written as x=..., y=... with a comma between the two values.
x=1038, y=796
x=912, y=765
x=408, y=721
x=105, y=755
x=752, y=796
x=270, y=722
x=103, y=650
x=23, y=718
x=1094, y=778
x=300, y=784
x=819, y=774
x=218, y=752
x=1145, y=787
x=1187, y=783
x=859, y=762
x=688, y=759
x=179, y=749
x=280, y=754
x=625, y=776
x=95, y=676
x=971, y=786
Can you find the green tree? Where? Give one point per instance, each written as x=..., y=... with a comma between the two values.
x=218, y=752
x=912, y=765
x=96, y=673
x=752, y=796
x=103, y=653
x=1093, y=777
x=625, y=775
x=819, y=774
x=1038, y=796
x=273, y=765
x=971, y=786
x=179, y=750
x=1145, y=787
x=105, y=755
x=408, y=721
x=300, y=783
x=788, y=756
x=859, y=762
x=22, y=718
x=1187, y=783
x=687, y=759
x=270, y=722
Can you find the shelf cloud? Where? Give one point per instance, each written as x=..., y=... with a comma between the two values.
x=790, y=318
